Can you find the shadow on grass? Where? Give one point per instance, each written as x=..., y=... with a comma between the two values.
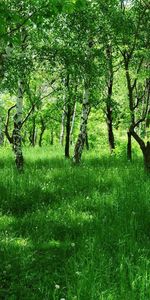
x=61, y=221
x=42, y=186
x=42, y=249
x=48, y=247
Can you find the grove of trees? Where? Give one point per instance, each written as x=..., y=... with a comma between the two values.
x=66, y=63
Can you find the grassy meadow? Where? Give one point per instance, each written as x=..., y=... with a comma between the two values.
x=74, y=233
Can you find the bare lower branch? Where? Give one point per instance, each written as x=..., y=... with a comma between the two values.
x=28, y=115
x=7, y=123
x=138, y=139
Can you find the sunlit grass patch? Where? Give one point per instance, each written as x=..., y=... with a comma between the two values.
x=84, y=229
x=6, y=221
x=14, y=242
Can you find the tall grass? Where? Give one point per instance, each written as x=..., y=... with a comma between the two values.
x=74, y=232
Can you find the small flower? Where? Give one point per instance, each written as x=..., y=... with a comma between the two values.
x=57, y=286
x=73, y=245
x=78, y=273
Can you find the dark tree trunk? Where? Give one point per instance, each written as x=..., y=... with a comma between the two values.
x=43, y=127
x=87, y=142
x=131, y=106
x=148, y=119
x=52, y=137
x=32, y=133
x=129, y=146
x=68, y=128
x=145, y=148
x=109, y=111
x=111, y=139
x=146, y=155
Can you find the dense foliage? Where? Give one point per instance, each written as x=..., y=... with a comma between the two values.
x=60, y=59
x=74, y=76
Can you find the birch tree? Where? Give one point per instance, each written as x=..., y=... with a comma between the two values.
x=83, y=126
x=17, y=139
x=63, y=121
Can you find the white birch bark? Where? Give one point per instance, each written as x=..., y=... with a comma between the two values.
x=85, y=108
x=63, y=121
x=83, y=127
x=72, y=123
x=17, y=140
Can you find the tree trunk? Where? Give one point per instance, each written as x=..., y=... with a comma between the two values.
x=63, y=121
x=43, y=127
x=16, y=135
x=17, y=140
x=72, y=123
x=131, y=106
x=52, y=137
x=129, y=146
x=144, y=148
x=87, y=142
x=148, y=119
x=1, y=134
x=32, y=136
x=111, y=139
x=109, y=111
x=146, y=155
x=68, y=127
x=83, y=127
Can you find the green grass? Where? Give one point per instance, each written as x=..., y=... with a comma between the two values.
x=74, y=232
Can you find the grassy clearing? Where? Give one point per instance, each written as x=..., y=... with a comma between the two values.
x=74, y=232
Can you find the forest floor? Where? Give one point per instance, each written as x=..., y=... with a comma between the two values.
x=74, y=232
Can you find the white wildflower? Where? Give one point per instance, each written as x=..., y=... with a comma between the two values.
x=57, y=286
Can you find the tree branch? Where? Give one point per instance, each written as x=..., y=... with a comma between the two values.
x=147, y=106
x=7, y=124
x=137, y=72
x=28, y=115
x=138, y=139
